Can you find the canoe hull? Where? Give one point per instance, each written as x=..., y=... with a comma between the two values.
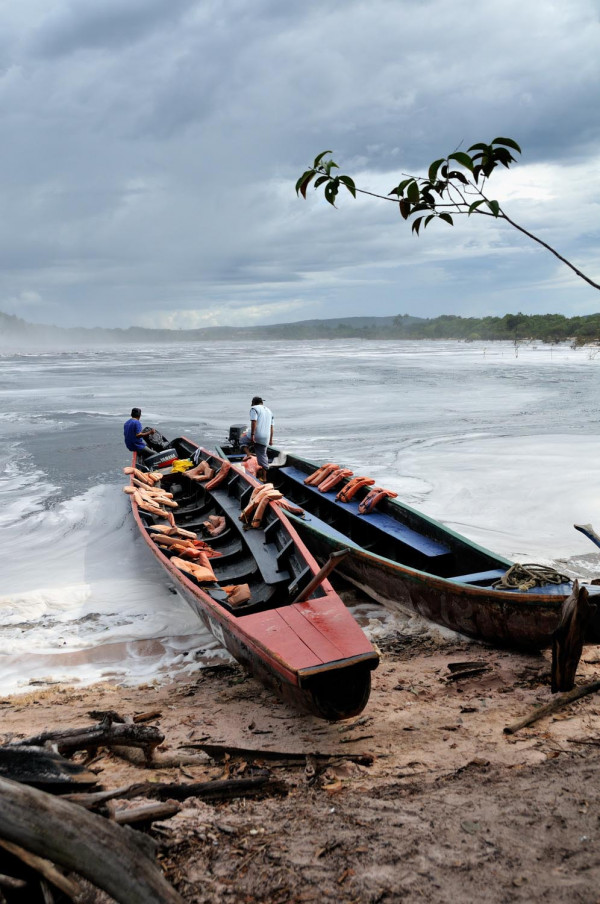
x=510, y=619
x=333, y=695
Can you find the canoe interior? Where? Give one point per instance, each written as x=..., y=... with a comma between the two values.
x=267, y=560
x=394, y=531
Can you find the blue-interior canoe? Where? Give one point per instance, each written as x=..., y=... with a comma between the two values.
x=413, y=563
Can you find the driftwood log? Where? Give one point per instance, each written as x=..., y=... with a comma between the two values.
x=43, y=768
x=220, y=752
x=567, y=642
x=105, y=734
x=212, y=791
x=144, y=815
x=552, y=707
x=82, y=842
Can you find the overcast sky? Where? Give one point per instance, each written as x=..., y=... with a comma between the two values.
x=150, y=149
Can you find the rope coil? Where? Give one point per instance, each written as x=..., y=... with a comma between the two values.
x=524, y=577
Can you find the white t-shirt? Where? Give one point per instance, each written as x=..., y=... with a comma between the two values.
x=264, y=419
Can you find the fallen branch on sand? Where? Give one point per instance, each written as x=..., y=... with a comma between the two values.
x=43, y=768
x=220, y=790
x=105, y=734
x=146, y=814
x=552, y=707
x=220, y=751
x=83, y=842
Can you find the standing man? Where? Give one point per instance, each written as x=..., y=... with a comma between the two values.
x=261, y=434
x=134, y=434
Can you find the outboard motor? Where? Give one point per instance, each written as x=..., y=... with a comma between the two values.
x=157, y=441
x=164, y=453
x=235, y=432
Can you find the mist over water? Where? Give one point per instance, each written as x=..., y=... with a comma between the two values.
x=500, y=444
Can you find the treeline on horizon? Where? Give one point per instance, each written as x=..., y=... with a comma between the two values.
x=512, y=327
x=543, y=327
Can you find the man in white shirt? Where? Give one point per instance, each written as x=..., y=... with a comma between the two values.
x=261, y=433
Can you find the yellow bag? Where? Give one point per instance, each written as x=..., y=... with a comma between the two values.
x=182, y=464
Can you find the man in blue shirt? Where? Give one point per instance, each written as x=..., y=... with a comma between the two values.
x=261, y=433
x=134, y=434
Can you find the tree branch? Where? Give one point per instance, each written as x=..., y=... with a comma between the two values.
x=421, y=198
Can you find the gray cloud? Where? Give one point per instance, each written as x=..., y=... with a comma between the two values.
x=107, y=25
x=150, y=150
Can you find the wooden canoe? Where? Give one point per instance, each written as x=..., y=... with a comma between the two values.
x=410, y=562
x=302, y=642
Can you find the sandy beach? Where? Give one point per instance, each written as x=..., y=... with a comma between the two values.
x=422, y=797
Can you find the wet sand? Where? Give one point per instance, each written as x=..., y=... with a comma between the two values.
x=451, y=808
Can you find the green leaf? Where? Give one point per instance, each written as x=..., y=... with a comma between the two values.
x=399, y=190
x=304, y=181
x=428, y=220
x=458, y=176
x=405, y=208
x=320, y=180
x=475, y=205
x=331, y=190
x=485, y=148
x=502, y=154
x=494, y=207
x=319, y=157
x=509, y=143
x=463, y=159
x=417, y=225
x=446, y=218
x=349, y=183
x=412, y=192
x=433, y=169
x=301, y=180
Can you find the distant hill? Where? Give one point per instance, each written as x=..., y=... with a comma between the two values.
x=15, y=333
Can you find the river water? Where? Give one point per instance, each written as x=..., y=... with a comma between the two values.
x=499, y=443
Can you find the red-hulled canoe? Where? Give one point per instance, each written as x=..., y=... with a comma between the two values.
x=294, y=632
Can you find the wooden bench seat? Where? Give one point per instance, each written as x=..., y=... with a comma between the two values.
x=384, y=524
x=480, y=577
x=264, y=553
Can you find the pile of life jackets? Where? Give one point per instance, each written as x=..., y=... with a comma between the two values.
x=192, y=555
x=252, y=515
x=330, y=475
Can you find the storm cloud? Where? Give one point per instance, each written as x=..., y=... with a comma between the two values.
x=150, y=151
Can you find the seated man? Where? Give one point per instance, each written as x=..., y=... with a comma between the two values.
x=134, y=434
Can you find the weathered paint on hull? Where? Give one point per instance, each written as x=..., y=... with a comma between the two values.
x=502, y=619
x=333, y=695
